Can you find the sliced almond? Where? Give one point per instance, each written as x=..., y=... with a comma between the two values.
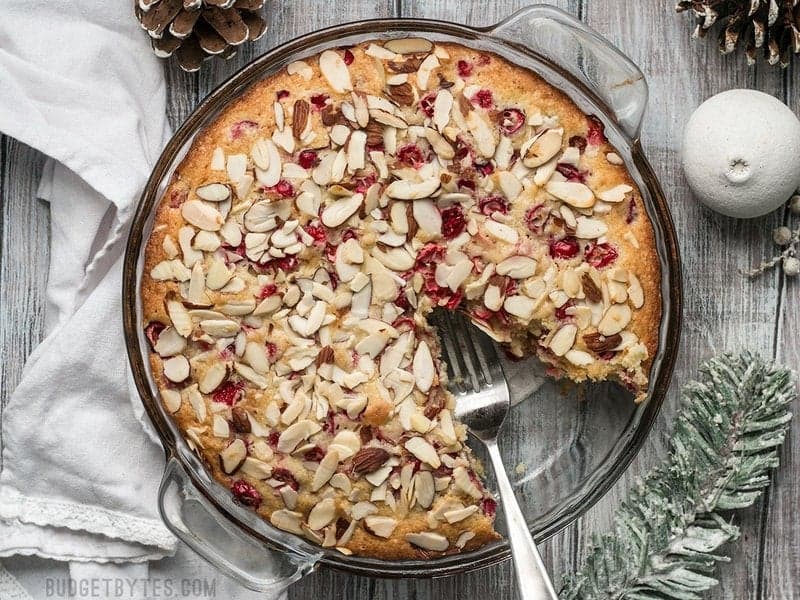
x=380, y=526
x=322, y=514
x=176, y=369
x=333, y=68
x=356, y=148
x=459, y=514
x=572, y=192
x=635, y=291
x=615, y=194
x=424, y=488
x=563, y=340
x=501, y=231
x=172, y=400
x=440, y=145
x=615, y=319
x=170, y=343
x=423, y=367
x=326, y=469
x=409, y=46
x=590, y=229
x=255, y=468
x=214, y=192
x=386, y=118
x=427, y=540
x=424, y=72
x=517, y=267
x=427, y=216
x=202, y=215
x=300, y=68
x=232, y=457
x=520, y=306
x=339, y=211
x=287, y=520
x=296, y=433
x=424, y=451
x=180, y=317
x=213, y=377
x=270, y=175
x=442, y=107
x=510, y=185
x=579, y=358
x=405, y=189
x=542, y=148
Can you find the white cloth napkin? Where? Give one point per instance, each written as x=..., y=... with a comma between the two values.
x=79, y=477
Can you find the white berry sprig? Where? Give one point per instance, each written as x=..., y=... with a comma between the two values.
x=783, y=236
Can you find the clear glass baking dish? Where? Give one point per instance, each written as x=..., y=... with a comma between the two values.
x=563, y=448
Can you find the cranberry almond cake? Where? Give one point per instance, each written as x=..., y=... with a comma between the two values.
x=309, y=233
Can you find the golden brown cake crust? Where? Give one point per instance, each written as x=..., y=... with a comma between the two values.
x=280, y=484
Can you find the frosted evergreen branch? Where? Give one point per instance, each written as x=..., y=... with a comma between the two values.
x=666, y=537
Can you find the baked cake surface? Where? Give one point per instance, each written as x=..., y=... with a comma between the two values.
x=310, y=231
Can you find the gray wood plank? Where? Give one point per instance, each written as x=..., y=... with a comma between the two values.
x=24, y=258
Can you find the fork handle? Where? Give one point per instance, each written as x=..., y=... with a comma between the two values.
x=533, y=582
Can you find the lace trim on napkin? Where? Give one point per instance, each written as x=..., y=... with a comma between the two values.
x=10, y=588
x=80, y=517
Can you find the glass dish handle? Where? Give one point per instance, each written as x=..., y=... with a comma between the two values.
x=192, y=518
x=581, y=51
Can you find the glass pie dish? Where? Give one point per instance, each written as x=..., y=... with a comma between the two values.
x=563, y=447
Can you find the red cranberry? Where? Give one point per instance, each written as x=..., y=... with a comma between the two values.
x=402, y=301
x=466, y=183
x=411, y=155
x=178, y=197
x=566, y=248
x=285, y=475
x=403, y=322
x=571, y=172
x=315, y=454
x=600, y=255
x=430, y=255
x=348, y=58
x=579, y=142
x=426, y=104
x=272, y=352
x=362, y=184
x=489, y=507
x=227, y=352
x=485, y=169
x=561, y=311
x=153, y=330
x=535, y=218
x=283, y=188
x=484, y=60
x=493, y=204
x=319, y=101
x=229, y=393
x=511, y=120
x=608, y=355
x=596, y=135
x=329, y=426
x=454, y=301
x=307, y=159
x=453, y=222
x=282, y=94
x=483, y=98
x=318, y=232
x=246, y=494
x=349, y=234
x=630, y=216
x=462, y=149
x=272, y=438
x=268, y=290
x=464, y=69
x=242, y=128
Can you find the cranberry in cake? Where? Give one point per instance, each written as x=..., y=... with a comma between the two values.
x=309, y=233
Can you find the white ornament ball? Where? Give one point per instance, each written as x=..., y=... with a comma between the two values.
x=782, y=235
x=794, y=204
x=791, y=266
x=741, y=153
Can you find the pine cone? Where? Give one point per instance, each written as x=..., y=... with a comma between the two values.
x=767, y=25
x=195, y=30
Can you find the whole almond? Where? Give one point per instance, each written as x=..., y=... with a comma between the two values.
x=325, y=356
x=590, y=289
x=403, y=94
x=300, y=119
x=409, y=65
x=597, y=342
x=239, y=420
x=368, y=460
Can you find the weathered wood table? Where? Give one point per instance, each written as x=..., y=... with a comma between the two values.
x=722, y=309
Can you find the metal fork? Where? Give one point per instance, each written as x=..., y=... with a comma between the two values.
x=482, y=403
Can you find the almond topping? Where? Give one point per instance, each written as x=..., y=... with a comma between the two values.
x=369, y=459
x=380, y=526
x=300, y=118
x=428, y=540
x=335, y=71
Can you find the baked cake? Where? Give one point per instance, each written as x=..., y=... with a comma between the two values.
x=307, y=236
